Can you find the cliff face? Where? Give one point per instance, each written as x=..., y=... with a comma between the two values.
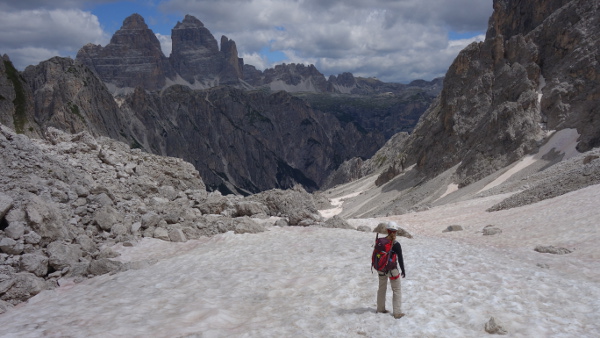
x=536, y=71
x=66, y=95
x=246, y=142
x=196, y=56
x=16, y=101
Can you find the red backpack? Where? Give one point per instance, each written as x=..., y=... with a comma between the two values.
x=383, y=258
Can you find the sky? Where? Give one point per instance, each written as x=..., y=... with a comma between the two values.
x=392, y=40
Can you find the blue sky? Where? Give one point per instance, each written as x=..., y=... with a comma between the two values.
x=393, y=40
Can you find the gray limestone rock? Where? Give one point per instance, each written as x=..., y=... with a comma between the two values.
x=492, y=327
x=245, y=225
x=452, y=228
x=34, y=263
x=104, y=265
x=25, y=285
x=32, y=237
x=161, y=233
x=337, y=222
x=47, y=219
x=61, y=255
x=6, y=203
x=10, y=246
x=4, y=306
x=491, y=230
x=106, y=217
x=15, y=230
x=176, y=235
x=552, y=250
x=249, y=208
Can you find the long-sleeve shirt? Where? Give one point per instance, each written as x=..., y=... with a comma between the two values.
x=398, y=250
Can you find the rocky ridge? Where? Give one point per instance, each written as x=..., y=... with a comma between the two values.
x=65, y=201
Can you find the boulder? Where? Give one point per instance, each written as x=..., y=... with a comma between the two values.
x=150, y=220
x=10, y=246
x=303, y=217
x=161, y=233
x=492, y=327
x=491, y=230
x=6, y=203
x=61, y=255
x=176, y=235
x=452, y=228
x=282, y=222
x=215, y=204
x=250, y=208
x=108, y=253
x=47, y=220
x=32, y=237
x=552, y=250
x=86, y=243
x=337, y=222
x=4, y=306
x=34, y=263
x=363, y=228
x=245, y=225
x=104, y=265
x=15, y=230
x=119, y=229
x=24, y=286
x=106, y=217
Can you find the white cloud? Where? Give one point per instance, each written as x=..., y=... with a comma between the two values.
x=390, y=39
x=45, y=33
x=394, y=40
x=166, y=44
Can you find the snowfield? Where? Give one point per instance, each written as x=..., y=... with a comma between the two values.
x=317, y=282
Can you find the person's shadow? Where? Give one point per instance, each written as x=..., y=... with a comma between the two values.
x=357, y=311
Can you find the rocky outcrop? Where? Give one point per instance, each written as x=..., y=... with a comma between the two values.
x=132, y=58
x=196, y=56
x=535, y=72
x=16, y=101
x=501, y=95
x=69, y=97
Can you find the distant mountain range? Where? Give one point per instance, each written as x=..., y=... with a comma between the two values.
x=244, y=129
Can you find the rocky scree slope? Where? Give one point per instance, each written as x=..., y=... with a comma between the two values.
x=66, y=200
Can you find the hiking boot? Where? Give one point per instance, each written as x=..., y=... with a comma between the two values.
x=383, y=311
x=398, y=315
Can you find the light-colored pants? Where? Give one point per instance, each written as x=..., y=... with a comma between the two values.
x=397, y=296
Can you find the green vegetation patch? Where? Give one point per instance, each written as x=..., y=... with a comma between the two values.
x=74, y=109
x=20, y=101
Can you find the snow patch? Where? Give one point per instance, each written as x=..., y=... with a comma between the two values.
x=316, y=282
x=563, y=141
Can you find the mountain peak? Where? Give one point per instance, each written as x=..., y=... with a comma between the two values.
x=189, y=21
x=134, y=21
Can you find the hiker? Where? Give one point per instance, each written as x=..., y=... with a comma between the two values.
x=391, y=272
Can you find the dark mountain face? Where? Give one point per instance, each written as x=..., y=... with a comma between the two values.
x=247, y=142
